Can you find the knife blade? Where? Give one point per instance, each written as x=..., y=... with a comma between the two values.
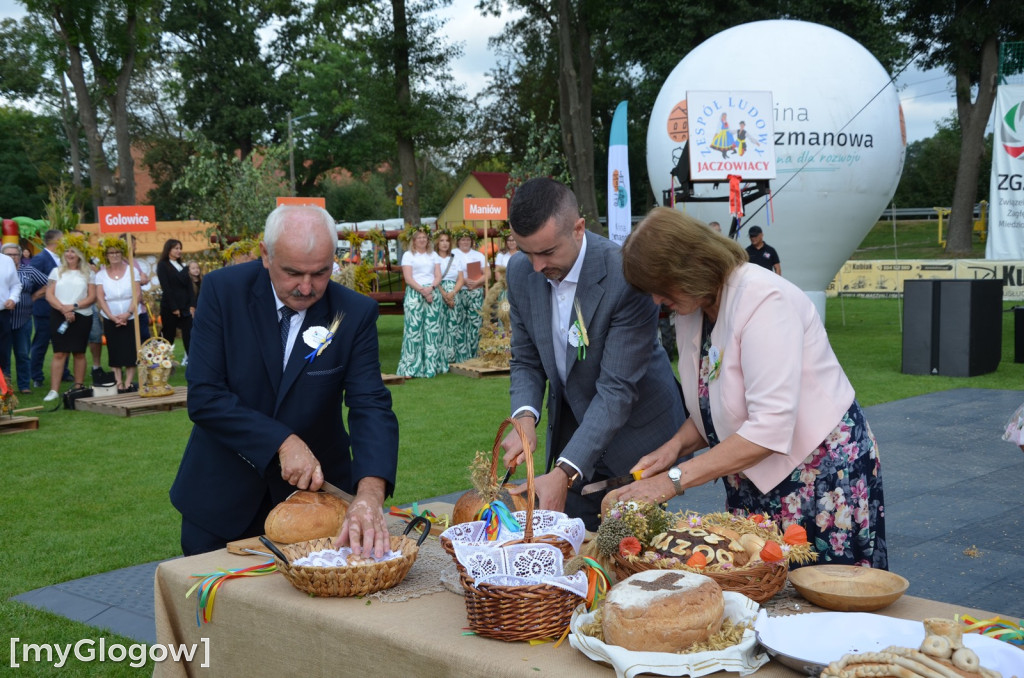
x=611, y=483
x=337, y=492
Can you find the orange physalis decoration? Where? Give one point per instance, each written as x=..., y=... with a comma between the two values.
x=795, y=535
x=757, y=518
x=697, y=560
x=629, y=546
x=772, y=552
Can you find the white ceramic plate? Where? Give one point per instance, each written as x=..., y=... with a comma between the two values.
x=808, y=642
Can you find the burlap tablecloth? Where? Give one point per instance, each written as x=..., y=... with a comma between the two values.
x=262, y=626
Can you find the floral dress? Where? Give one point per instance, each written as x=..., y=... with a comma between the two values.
x=835, y=494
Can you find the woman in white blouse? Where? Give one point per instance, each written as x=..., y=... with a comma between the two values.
x=470, y=295
x=421, y=349
x=114, y=289
x=71, y=293
x=451, y=275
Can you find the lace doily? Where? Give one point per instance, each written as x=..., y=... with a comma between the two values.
x=545, y=523
x=518, y=565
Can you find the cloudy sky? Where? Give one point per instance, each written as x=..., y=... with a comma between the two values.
x=927, y=97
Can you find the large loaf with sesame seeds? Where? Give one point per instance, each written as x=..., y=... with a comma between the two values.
x=662, y=611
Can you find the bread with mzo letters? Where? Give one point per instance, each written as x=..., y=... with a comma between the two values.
x=304, y=516
x=663, y=611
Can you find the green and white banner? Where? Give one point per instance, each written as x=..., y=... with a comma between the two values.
x=1006, y=192
x=620, y=214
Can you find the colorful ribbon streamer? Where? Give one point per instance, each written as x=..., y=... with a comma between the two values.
x=735, y=196
x=407, y=514
x=1000, y=629
x=495, y=515
x=214, y=580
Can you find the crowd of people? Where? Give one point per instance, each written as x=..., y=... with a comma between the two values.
x=444, y=296
x=73, y=303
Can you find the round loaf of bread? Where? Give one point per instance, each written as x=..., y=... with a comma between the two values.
x=304, y=516
x=663, y=611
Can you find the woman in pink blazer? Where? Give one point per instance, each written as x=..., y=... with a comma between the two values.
x=765, y=393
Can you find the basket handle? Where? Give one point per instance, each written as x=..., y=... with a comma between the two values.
x=531, y=494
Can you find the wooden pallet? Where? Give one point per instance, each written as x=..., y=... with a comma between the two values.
x=477, y=369
x=132, y=404
x=18, y=424
x=392, y=379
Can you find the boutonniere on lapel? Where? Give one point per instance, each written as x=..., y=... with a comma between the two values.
x=715, y=363
x=318, y=337
x=578, y=338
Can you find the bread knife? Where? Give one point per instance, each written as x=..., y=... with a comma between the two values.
x=611, y=483
x=337, y=492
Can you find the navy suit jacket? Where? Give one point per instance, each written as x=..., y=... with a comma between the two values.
x=244, y=405
x=42, y=262
x=623, y=395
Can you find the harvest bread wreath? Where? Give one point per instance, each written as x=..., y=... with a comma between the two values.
x=747, y=555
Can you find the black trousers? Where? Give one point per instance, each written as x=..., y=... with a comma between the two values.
x=172, y=323
x=196, y=539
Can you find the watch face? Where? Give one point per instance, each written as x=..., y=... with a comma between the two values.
x=674, y=473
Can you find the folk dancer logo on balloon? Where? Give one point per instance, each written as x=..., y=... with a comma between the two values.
x=1013, y=130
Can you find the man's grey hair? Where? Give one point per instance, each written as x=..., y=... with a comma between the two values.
x=10, y=245
x=310, y=213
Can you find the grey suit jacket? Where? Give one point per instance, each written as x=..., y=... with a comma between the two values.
x=624, y=396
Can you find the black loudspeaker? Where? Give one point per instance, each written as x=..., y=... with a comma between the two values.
x=952, y=327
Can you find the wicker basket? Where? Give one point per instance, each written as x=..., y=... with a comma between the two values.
x=154, y=360
x=758, y=582
x=518, y=612
x=356, y=580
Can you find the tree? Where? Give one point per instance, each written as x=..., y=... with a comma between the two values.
x=963, y=39
x=104, y=41
x=930, y=168
x=231, y=193
x=32, y=158
x=228, y=84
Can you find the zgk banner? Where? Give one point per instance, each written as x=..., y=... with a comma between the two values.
x=620, y=214
x=131, y=218
x=1006, y=191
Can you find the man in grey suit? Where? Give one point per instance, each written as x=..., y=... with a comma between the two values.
x=581, y=330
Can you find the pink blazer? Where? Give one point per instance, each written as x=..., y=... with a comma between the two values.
x=779, y=384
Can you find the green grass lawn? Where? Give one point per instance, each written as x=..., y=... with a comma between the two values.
x=909, y=240
x=87, y=493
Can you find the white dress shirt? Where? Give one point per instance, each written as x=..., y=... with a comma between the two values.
x=10, y=282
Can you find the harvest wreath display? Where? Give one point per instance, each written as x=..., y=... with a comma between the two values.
x=750, y=555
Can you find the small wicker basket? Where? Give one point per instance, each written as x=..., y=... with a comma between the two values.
x=356, y=580
x=155, y=367
x=758, y=582
x=514, y=613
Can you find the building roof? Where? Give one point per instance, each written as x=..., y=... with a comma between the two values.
x=493, y=182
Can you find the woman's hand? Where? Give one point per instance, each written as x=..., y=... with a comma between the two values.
x=659, y=460
x=655, y=490
x=428, y=293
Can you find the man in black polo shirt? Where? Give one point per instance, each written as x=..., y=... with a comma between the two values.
x=761, y=253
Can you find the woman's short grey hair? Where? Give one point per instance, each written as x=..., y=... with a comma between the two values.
x=278, y=219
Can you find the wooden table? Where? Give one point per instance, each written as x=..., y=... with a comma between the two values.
x=262, y=626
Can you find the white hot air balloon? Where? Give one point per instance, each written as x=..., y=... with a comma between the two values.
x=839, y=139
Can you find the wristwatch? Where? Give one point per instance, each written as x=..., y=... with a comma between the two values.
x=569, y=471
x=674, y=474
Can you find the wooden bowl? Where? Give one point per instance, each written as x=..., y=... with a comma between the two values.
x=848, y=588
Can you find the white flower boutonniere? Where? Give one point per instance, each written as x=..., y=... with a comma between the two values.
x=715, y=360
x=578, y=338
x=318, y=338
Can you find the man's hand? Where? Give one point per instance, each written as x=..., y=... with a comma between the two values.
x=513, y=445
x=364, y=528
x=298, y=465
x=551, y=489
x=9, y=304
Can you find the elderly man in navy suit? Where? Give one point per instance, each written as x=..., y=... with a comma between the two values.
x=581, y=330
x=266, y=393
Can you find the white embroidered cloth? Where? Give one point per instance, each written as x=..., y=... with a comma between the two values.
x=338, y=558
x=518, y=565
x=545, y=523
